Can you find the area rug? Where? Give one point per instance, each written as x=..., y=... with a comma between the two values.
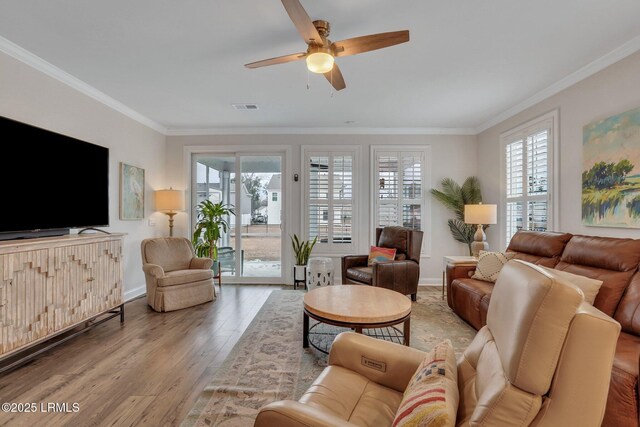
x=268, y=363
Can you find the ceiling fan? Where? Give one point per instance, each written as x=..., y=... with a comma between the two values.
x=321, y=51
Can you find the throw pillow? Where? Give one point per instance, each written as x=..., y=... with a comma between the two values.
x=589, y=287
x=431, y=398
x=490, y=264
x=377, y=254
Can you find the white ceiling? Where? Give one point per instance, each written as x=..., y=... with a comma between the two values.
x=180, y=63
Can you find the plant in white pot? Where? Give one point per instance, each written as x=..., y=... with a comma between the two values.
x=302, y=250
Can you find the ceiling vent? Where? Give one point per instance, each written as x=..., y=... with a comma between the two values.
x=245, y=106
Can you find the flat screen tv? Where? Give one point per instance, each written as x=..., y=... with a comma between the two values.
x=51, y=182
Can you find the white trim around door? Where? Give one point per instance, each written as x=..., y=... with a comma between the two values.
x=251, y=150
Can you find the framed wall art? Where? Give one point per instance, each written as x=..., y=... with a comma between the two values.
x=131, y=192
x=611, y=171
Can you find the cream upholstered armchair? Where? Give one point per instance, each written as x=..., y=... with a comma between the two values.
x=175, y=277
x=543, y=359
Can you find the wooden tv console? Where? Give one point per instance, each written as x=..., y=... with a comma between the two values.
x=51, y=285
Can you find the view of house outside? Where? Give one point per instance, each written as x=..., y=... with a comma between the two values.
x=259, y=208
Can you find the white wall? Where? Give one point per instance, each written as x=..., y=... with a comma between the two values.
x=611, y=91
x=32, y=97
x=29, y=96
x=452, y=156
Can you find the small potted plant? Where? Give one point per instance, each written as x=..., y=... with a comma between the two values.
x=302, y=250
x=211, y=223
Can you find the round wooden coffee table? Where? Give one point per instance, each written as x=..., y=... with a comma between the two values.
x=357, y=307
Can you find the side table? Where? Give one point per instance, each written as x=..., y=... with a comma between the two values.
x=455, y=260
x=319, y=272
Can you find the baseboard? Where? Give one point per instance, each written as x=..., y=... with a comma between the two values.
x=430, y=281
x=134, y=293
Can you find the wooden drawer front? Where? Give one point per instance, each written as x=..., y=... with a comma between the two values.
x=25, y=305
x=87, y=281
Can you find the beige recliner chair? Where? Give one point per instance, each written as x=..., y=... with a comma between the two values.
x=544, y=359
x=175, y=277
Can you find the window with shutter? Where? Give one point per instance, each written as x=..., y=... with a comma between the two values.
x=388, y=182
x=329, y=191
x=318, y=190
x=527, y=160
x=399, y=197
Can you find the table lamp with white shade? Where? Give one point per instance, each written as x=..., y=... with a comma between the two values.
x=169, y=202
x=480, y=215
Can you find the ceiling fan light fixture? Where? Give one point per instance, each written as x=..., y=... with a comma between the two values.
x=321, y=51
x=320, y=62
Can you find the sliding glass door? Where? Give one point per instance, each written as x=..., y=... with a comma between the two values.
x=251, y=250
x=261, y=231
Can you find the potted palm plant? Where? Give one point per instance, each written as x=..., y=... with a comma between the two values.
x=210, y=224
x=454, y=196
x=302, y=250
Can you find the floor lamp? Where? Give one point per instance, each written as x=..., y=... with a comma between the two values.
x=170, y=202
x=480, y=215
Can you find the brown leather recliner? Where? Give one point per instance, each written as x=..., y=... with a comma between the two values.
x=614, y=261
x=400, y=275
x=543, y=359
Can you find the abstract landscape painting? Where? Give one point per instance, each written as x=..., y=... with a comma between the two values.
x=611, y=171
x=131, y=192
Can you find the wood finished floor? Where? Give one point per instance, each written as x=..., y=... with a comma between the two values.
x=147, y=372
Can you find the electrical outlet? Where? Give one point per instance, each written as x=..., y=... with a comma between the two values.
x=151, y=223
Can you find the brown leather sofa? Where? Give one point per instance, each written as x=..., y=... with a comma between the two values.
x=400, y=275
x=526, y=367
x=615, y=262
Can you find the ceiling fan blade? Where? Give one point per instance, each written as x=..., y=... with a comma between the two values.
x=335, y=78
x=363, y=44
x=302, y=22
x=277, y=60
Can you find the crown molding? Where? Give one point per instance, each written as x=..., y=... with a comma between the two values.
x=51, y=70
x=319, y=131
x=34, y=61
x=619, y=53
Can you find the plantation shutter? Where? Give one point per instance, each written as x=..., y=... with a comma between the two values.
x=527, y=164
x=342, y=198
x=515, y=168
x=318, y=198
x=388, y=182
x=330, y=209
x=537, y=180
x=412, y=191
x=514, y=155
x=537, y=163
x=399, y=195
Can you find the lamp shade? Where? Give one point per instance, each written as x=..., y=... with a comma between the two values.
x=320, y=62
x=481, y=214
x=169, y=200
